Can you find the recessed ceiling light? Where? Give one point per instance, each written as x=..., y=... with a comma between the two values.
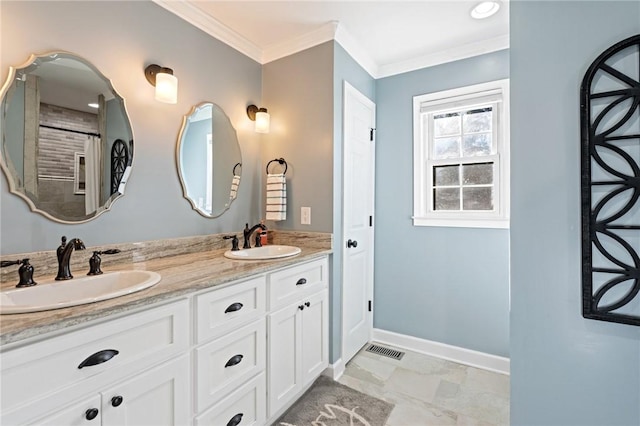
x=485, y=9
x=94, y=105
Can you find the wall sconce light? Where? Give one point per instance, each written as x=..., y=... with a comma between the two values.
x=261, y=117
x=165, y=82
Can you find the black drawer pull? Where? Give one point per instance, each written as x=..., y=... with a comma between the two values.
x=91, y=413
x=234, y=360
x=301, y=307
x=307, y=304
x=99, y=358
x=116, y=401
x=301, y=281
x=235, y=420
x=233, y=307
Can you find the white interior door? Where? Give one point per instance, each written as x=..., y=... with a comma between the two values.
x=357, y=261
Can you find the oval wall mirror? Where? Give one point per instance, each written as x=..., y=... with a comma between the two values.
x=208, y=159
x=66, y=140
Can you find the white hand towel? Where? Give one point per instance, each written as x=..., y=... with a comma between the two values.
x=235, y=183
x=276, y=197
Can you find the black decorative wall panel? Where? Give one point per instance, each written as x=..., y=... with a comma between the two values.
x=610, y=130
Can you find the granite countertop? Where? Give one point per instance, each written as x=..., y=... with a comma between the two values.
x=181, y=275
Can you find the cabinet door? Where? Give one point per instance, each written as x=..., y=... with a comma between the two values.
x=315, y=336
x=159, y=396
x=78, y=414
x=284, y=356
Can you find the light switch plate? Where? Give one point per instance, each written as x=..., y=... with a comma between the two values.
x=305, y=215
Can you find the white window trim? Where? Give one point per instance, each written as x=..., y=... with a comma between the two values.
x=422, y=215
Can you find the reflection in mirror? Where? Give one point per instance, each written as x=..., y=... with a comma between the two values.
x=66, y=139
x=209, y=161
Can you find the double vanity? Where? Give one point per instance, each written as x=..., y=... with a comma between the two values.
x=215, y=341
x=173, y=332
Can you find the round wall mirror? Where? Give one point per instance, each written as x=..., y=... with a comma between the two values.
x=66, y=140
x=209, y=161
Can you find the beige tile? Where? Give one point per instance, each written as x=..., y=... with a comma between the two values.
x=431, y=391
x=420, y=386
x=413, y=415
x=485, y=406
x=469, y=421
x=369, y=369
x=487, y=381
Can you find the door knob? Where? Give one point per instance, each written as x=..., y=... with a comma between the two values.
x=352, y=243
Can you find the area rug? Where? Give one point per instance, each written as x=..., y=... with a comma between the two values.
x=329, y=403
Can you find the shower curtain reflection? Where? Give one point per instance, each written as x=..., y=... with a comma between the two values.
x=93, y=161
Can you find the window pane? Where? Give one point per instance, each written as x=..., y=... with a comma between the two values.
x=446, y=199
x=477, y=174
x=446, y=148
x=446, y=124
x=446, y=175
x=477, y=120
x=477, y=198
x=476, y=144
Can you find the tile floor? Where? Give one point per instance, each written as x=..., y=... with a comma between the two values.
x=431, y=391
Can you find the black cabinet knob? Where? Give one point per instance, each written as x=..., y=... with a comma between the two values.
x=352, y=243
x=301, y=281
x=116, y=401
x=307, y=304
x=301, y=307
x=91, y=413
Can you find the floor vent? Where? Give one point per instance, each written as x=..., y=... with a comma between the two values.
x=381, y=350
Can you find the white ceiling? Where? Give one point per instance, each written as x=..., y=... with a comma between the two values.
x=386, y=36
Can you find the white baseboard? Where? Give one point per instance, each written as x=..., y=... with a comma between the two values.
x=470, y=357
x=335, y=370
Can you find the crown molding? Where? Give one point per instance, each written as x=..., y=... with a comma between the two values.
x=453, y=54
x=313, y=38
x=212, y=26
x=329, y=31
x=353, y=48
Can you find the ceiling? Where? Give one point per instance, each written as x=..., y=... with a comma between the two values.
x=386, y=37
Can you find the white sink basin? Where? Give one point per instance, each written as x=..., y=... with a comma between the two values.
x=263, y=253
x=77, y=291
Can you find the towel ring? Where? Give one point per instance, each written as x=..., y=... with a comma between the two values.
x=234, y=168
x=279, y=160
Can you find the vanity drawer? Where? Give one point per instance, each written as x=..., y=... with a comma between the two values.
x=291, y=284
x=246, y=406
x=33, y=371
x=223, y=310
x=225, y=363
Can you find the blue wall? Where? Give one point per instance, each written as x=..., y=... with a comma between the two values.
x=449, y=285
x=345, y=68
x=565, y=370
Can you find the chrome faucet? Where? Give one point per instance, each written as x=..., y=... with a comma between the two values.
x=248, y=231
x=64, y=256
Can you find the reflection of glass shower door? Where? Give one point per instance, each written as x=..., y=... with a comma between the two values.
x=209, y=174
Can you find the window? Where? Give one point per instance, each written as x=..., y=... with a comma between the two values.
x=461, y=157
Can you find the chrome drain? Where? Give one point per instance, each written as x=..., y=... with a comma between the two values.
x=388, y=352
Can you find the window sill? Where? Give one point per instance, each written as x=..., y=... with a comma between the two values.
x=493, y=223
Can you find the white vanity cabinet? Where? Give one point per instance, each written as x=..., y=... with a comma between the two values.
x=298, y=344
x=60, y=379
x=159, y=396
x=230, y=357
x=236, y=354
